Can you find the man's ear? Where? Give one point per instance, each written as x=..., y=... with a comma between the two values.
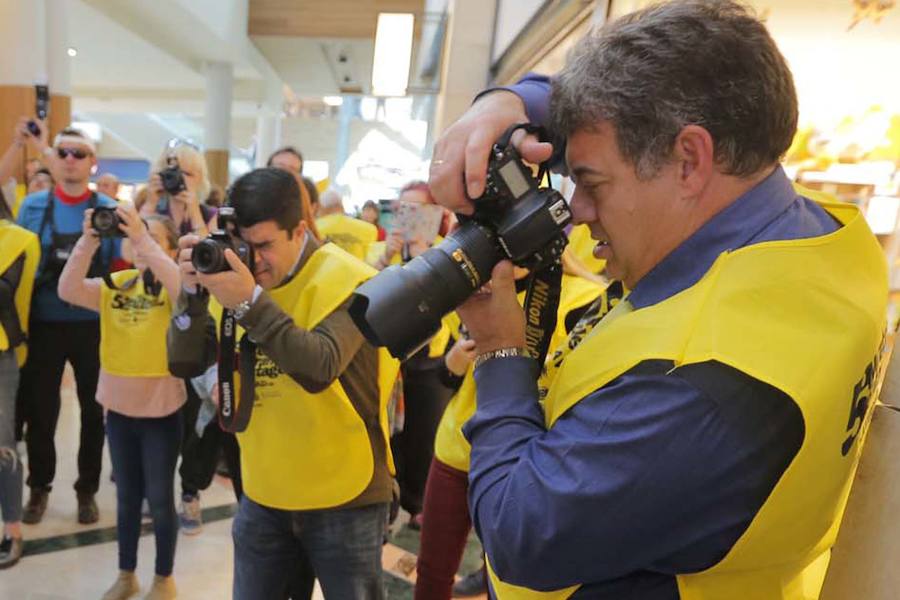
x=299, y=230
x=694, y=151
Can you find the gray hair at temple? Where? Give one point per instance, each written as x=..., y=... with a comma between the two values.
x=710, y=63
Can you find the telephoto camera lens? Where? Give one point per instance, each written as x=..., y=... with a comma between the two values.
x=402, y=307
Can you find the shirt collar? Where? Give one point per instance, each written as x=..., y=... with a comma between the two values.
x=733, y=227
x=309, y=245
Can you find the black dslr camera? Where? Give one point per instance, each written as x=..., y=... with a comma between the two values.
x=514, y=219
x=209, y=255
x=105, y=222
x=172, y=178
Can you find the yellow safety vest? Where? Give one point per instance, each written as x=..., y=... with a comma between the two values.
x=305, y=451
x=353, y=235
x=133, y=324
x=819, y=345
x=450, y=445
x=15, y=240
x=582, y=247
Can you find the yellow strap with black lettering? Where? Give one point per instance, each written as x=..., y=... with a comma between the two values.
x=14, y=241
x=820, y=347
x=306, y=451
x=133, y=326
x=353, y=235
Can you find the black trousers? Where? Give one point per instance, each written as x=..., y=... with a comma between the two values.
x=200, y=454
x=424, y=397
x=50, y=345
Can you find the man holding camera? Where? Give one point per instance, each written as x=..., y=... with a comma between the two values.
x=699, y=440
x=61, y=332
x=316, y=465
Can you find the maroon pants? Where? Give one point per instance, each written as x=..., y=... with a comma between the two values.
x=445, y=528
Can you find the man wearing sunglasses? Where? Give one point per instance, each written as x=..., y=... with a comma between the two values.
x=61, y=332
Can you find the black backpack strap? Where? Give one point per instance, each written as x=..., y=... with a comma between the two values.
x=9, y=314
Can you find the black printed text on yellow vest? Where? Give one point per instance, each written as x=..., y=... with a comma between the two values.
x=133, y=325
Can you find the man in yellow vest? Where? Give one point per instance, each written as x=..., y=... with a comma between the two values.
x=353, y=235
x=316, y=464
x=697, y=442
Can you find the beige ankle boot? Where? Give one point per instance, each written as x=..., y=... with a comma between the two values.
x=163, y=588
x=125, y=586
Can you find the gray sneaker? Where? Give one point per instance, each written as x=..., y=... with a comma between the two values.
x=10, y=551
x=190, y=517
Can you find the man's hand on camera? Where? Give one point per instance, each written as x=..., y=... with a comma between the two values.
x=232, y=287
x=494, y=317
x=459, y=163
x=186, y=245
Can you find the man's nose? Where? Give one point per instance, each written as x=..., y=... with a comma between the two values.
x=580, y=208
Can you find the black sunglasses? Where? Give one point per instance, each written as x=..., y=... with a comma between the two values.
x=73, y=152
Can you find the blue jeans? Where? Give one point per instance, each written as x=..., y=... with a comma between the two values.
x=343, y=546
x=144, y=452
x=10, y=463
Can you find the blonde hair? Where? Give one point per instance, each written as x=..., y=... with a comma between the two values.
x=189, y=159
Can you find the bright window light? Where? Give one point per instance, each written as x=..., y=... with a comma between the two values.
x=393, y=49
x=332, y=100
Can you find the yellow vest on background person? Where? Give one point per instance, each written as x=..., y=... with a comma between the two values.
x=305, y=451
x=14, y=241
x=819, y=346
x=582, y=247
x=450, y=445
x=353, y=235
x=133, y=324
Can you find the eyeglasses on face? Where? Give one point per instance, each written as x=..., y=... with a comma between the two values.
x=76, y=153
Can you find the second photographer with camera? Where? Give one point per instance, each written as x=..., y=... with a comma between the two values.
x=315, y=458
x=177, y=187
x=61, y=332
x=142, y=400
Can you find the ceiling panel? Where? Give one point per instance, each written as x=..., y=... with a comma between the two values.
x=323, y=18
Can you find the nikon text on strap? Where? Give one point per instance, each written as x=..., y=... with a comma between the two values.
x=541, y=305
x=235, y=416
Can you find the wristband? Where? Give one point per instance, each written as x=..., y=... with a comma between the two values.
x=500, y=353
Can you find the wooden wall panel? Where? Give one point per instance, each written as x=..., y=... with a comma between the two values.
x=323, y=18
x=17, y=101
x=217, y=165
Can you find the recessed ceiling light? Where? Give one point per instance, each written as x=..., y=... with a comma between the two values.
x=72, y=52
x=393, y=50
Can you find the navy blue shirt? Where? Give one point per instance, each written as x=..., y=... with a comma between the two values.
x=657, y=473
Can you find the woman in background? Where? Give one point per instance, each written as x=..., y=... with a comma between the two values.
x=369, y=214
x=142, y=400
x=185, y=207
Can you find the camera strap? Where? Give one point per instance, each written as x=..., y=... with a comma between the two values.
x=541, y=305
x=235, y=416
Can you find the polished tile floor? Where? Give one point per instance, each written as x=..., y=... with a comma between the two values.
x=67, y=561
